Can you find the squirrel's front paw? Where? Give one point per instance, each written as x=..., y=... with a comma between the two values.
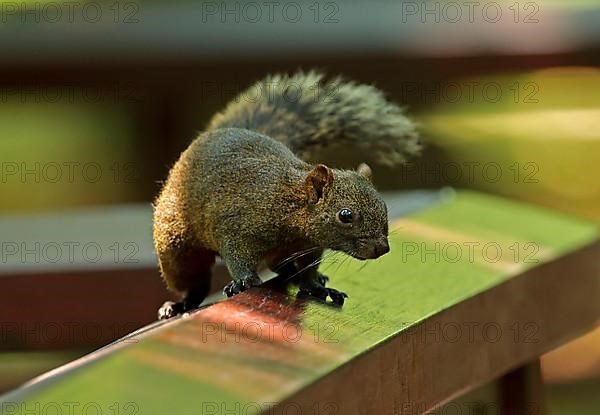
x=237, y=286
x=337, y=297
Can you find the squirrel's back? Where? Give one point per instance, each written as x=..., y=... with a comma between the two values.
x=213, y=177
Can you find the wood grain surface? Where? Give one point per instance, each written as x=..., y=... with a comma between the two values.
x=473, y=288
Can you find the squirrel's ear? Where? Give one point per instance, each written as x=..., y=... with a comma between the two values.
x=365, y=171
x=318, y=181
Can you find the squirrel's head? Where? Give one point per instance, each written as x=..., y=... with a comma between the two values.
x=346, y=213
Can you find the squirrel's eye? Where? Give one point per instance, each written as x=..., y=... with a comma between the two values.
x=345, y=215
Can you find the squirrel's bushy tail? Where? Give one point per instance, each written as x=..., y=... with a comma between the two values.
x=306, y=113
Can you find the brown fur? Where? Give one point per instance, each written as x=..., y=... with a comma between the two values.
x=244, y=195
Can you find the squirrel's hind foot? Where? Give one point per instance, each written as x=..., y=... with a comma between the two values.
x=170, y=309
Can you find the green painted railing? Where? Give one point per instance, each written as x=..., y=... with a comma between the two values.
x=474, y=286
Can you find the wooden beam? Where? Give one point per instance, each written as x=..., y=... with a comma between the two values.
x=421, y=326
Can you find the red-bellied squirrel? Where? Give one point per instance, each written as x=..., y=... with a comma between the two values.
x=243, y=191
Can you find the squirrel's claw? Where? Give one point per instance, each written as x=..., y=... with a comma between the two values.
x=337, y=297
x=237, y=286
x=322, y=279
x=232, y=289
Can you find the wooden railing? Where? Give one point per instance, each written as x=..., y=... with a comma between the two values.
x=476, y=288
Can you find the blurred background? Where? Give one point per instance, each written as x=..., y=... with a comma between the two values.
x=97, y=100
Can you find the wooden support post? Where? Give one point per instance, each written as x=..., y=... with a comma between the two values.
x=521, y=391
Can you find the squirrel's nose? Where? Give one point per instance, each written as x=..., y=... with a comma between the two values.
x=382, y=248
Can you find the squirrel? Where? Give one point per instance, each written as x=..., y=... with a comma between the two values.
x=245, y=191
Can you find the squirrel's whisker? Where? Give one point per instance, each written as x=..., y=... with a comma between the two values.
x=312, y=264
x=330, y=262
x=295, y=256
x=345, y=259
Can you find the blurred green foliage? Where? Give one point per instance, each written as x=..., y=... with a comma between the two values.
x=62, y=154
x=530, y=136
